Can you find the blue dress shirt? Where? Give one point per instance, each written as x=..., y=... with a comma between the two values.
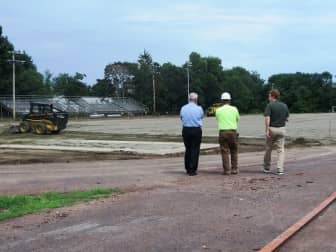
x=191, y=115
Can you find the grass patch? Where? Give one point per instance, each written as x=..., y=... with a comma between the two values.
x=18, y=205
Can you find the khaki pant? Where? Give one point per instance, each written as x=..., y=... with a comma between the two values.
x=276, y=141
x=229, y=147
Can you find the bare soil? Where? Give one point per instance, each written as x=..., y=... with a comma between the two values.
x=85, y=139
x=12, y=156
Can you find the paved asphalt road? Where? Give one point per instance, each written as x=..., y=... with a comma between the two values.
x=165, y=210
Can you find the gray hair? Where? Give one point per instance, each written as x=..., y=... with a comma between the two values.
x=193, y=96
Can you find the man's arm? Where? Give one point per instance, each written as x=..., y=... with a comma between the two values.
x=202, y=112
x=181, y=112
x=267, y=123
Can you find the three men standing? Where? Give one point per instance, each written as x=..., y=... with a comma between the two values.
x=227, y=117
x=276, y=115
x=191, y=116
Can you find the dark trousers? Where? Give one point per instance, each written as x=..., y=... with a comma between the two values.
x=192, y=137
x=229, y=148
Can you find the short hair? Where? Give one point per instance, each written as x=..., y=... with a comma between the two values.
x=275, y=93
x=193, y=96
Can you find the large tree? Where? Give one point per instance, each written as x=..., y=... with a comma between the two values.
x=143, y=80
x=28, y=81
x=103, y=88
x=65, y=84
x=119, y=76
x=305, y=92
x=245, y=88
x=5, y=67
x=209, y=80
x=171, y=89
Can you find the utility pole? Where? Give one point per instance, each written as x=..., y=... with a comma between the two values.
x=188, y=79
x=13, y=61
x=155, y=71
x=154, y=101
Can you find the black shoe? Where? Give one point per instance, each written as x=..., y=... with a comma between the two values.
x=192, y=173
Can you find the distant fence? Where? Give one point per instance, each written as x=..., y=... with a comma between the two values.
x=76, y=105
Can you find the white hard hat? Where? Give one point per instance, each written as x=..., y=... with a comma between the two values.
x=226, y=96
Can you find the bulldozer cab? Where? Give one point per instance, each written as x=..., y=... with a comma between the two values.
x=41, y=108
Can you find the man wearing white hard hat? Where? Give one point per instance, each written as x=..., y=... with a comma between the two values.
x=227, y=117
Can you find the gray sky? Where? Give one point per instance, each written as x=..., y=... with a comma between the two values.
x=267, y=36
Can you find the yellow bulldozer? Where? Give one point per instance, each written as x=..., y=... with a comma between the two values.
x=43, y=119
x=212, y=109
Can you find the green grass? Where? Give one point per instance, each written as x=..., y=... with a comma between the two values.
x=18, y=205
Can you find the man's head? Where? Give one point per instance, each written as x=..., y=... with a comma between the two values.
x=274, y=95
x=193, y=97
x=226, y=98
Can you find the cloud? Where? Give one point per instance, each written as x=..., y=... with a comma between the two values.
x=199, y=14
x=209, y=23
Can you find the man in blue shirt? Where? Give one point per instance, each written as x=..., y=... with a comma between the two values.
x=191, y=116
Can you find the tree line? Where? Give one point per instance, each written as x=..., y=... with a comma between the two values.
x=167, y=84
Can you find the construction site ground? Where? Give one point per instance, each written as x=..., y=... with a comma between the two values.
x=162, y=209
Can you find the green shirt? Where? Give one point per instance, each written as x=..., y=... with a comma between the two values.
x=227, y=117
x=278, y=113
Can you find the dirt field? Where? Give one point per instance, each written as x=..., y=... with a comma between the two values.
x=163, y=209
x=313, y=126
x=128, y=138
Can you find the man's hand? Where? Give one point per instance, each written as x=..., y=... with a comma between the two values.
x=267, y=123
x=268, y=134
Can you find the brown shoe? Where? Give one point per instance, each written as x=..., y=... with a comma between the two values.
x=226, y=173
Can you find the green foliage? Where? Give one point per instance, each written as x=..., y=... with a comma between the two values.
x=245, y=88
x=103, y=88
x=171, y=89
x=67, y=85
x=205, y=78
x=18, y=205
x=118, y=77
x=5, y=67
x=209, y=80
x=143, y=79
x=306, y=92
x=47, y=80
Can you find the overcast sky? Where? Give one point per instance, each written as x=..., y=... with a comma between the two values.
x=267, y=36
